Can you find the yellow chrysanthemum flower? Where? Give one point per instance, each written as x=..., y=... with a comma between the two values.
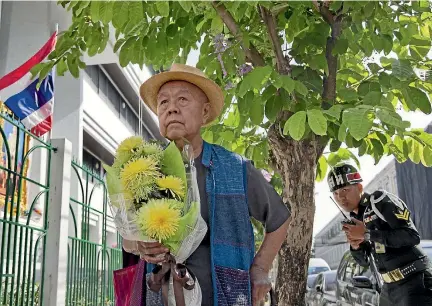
x=138, y=176
x=172, y=184
x=158, y=219
x=126, y=149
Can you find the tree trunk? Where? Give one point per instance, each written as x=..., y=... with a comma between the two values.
x=296, y=162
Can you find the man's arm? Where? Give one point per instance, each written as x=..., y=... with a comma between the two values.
x=402, y=233
x=266, y=206
x=270, y=247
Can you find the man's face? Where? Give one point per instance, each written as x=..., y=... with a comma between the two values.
x=182, y=109
x=349, y=197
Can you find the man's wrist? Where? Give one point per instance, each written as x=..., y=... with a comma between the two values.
x=260, y=267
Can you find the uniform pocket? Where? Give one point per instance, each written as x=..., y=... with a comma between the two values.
x=232, y=286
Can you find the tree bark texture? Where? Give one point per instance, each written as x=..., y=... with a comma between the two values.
x=296, y=162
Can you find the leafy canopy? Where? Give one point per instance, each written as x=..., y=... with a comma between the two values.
x=340, y=69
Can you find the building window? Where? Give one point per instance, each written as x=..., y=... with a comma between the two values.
x=93, y=164
x=114, y=99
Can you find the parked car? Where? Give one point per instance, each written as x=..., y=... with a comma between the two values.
x=317, y=265
x=356, y=285
x=323, y=290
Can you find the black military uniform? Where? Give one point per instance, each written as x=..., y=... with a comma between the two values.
x=391, y=241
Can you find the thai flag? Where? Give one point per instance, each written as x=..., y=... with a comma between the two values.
x=34, y=107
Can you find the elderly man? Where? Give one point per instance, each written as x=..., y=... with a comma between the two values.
x=231, y=189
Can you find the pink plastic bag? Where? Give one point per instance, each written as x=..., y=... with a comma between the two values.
x=128, y=284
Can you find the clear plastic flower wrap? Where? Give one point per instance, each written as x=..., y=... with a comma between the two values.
x=154, y=196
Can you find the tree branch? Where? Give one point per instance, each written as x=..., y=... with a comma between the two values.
x=251, y=53
x=269, y=19
x=335, y=22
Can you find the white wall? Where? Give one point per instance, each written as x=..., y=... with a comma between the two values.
x=100, y=121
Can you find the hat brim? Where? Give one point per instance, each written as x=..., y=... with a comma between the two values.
x=150, y=89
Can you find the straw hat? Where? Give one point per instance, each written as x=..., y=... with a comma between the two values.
x=178, y=72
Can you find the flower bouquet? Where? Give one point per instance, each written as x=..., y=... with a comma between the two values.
x=154, y=196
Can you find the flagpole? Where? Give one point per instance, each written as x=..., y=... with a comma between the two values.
x=48, y=135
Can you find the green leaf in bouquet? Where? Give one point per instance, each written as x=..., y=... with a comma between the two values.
x=112, y=181
x=172, y=163
x=114, y=188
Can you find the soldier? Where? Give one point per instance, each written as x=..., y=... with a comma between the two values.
x=381, y=230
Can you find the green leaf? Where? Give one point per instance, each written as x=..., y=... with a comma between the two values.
x=95, y=10
x=391, y=118
x=163, y=8
x=295, y=126
x=256, y=112
x=333, y=159
x=341, y=46
x=335, y=145
x=287, y=83
x=342, y=133
x=374, y=68
x=402, y=69
x=377, y=150
x=301, y=88
x=347, y=94
x=415, y=150
x=317, y=121
x=358, y=121
x=227, y=135
x=172, y=162
x=372, y=98
x=106, y=11
x=427, y=157
x=36, y=69
x=321, y=168
x=255, y=79
x=124, y=56
x=418, y=98
x=272, y=107
x=334, y=111
x=121, y=14
x=367, y=87
x=61, y=67
x=172, y=30
x=208, y=136
x=118, y=44
x=73, y=66
x=217, y=25
x=363, y=147
x=186, y=5
x=399, y=155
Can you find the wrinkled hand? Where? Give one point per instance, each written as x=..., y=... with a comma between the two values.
x=152, y=252
x=261, y=283
x=130, y=246
x=355, y=232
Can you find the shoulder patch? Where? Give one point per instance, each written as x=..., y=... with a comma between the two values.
x=403, y=215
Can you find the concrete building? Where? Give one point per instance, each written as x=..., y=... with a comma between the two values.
x=330, y=243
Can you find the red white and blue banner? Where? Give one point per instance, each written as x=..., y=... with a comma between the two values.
x=34, y=107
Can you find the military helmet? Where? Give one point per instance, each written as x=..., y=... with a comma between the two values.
x=343, y=175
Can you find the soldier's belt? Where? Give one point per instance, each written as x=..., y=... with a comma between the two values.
x=401, y=273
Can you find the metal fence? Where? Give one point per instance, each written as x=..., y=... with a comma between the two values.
x=52, y=252
x=22, y=229
x=90, y=261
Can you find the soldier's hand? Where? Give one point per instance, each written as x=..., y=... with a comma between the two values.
x=355, y=232
x=355, y=244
